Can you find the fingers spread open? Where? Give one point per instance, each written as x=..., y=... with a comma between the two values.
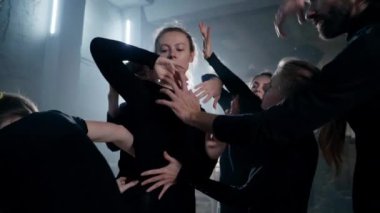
x=164, y=189
x=152, y=179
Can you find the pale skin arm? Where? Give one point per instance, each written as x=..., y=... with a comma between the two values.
x=289, y=7
x=104, y=131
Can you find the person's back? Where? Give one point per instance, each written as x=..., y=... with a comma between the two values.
x=48, y=164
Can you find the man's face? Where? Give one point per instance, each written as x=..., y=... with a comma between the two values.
x=330, y=17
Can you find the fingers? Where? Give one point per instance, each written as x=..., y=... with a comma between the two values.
x=131, y=184
x=207, y=98
x=208, y=35
x=183, y=80
x=202, y=95
x=165, y=103
x=216, y=100
x=278, y=22
x=200, y=85
x=199, y=90
x=122, y=179
x=164, y=189
x=157, y=185
x=168, y=157
x=301, y=16
x=153, y=172
x=153, y=179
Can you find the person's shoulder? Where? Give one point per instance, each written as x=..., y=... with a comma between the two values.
x=55, y=114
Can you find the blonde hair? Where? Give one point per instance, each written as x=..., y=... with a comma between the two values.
x=12, y=104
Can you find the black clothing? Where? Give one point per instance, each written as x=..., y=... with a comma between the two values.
x=281, y=176
x=346, y=88
x=155, y=128
x=48, y=164
x=235, y=165
x=280, y=180
x=249, y=102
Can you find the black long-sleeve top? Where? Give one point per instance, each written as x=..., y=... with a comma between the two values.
x=347, y=87
x=48, y=164
x=155, y=128
x=236, y=161
x=249, y=102
x=281, y=176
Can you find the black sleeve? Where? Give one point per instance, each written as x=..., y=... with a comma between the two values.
x=109, y=56
x=248, y=100
x=225, y=96
x=347, y=82
x=81, y=123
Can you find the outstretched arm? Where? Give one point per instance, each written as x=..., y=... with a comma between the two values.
x=109, y=56
x=233, y=83
x=104, y=131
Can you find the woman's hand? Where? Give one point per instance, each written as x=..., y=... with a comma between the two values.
x=183, y=102
x=210, y=88
x=164, y=71
x=206, y=36
x=124, y=185
x=164, y=177
x=287, y=8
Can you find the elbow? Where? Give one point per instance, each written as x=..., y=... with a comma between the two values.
x=95, y=46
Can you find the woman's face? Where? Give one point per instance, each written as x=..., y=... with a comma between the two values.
x=175, y=45
x=259, y=83
x=272, y=95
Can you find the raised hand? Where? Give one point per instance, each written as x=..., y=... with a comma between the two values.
x=183, y=101
x=206, y=36
x=210, y=88
x=165, y=176
x=124, y=185
x=164, y=70
x=288, y=7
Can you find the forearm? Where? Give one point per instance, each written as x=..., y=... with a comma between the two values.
x=233, y=83
x=109, y=132
x=202, y=121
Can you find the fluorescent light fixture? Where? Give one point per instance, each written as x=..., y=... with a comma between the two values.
x=128, y=31
x=53, y=23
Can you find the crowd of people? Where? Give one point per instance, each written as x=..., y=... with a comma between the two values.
x=169, y=145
